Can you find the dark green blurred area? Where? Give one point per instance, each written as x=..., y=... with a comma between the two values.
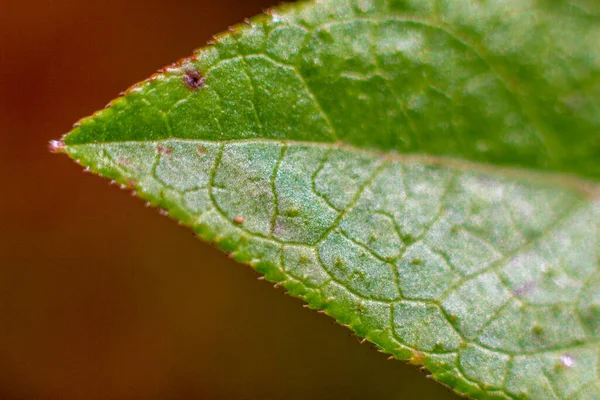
x=102, y=298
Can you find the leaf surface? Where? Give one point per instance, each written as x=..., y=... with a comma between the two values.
x=426, y=172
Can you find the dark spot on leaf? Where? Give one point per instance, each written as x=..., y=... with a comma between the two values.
x=163, y=150
x=193, y=79
x=238, y=220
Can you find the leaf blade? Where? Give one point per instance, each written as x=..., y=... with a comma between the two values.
x=462, y=84
x=260, y=144
x=463, y=300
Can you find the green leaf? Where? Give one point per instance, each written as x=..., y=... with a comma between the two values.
x=426, y=172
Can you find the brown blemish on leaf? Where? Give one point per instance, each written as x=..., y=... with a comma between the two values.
x=238, y=220
x=193, y=79
x=163, y=150
x=426, y=371
x=417, y=358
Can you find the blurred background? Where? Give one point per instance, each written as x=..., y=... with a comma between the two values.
x=102, y=298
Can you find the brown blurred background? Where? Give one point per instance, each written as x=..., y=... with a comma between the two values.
x=102, y=298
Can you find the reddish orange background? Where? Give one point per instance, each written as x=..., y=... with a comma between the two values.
x=102, y=298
